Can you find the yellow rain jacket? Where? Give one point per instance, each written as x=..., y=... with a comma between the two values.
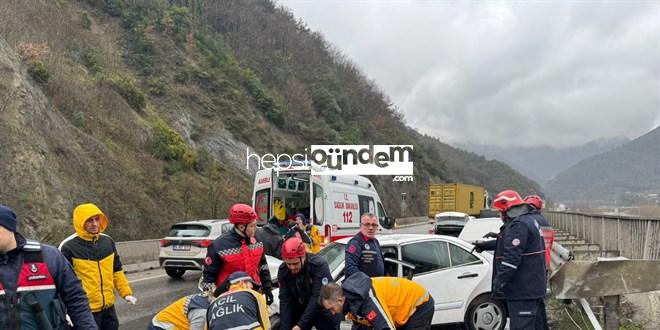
x=95, y=261
x=316, y=238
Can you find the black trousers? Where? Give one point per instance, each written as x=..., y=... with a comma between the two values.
x=421, y=318
x=106, y=319
x=527, y=314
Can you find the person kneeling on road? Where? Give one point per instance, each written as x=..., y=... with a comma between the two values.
x=380, y=302
x=188, y=312
x=240, y=307
x=301, y=276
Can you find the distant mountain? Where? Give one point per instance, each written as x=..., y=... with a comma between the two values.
x=542, y=163
x=631, y=168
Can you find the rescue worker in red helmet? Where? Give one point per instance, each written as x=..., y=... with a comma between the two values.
x=519, y=274
x=238, y=250
x=547, y=232
x=301, y=276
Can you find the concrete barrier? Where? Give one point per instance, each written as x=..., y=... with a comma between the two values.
x=402, y=222
x=135, y=252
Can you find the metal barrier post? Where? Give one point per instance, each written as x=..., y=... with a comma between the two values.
x=611, y=308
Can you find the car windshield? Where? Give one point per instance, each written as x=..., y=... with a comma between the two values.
x=189, y=230
x=334, y=255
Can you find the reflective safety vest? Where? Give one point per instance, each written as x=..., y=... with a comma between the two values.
x=238, y=309
x=241, y=257
x=35, y=301
x=175, y=316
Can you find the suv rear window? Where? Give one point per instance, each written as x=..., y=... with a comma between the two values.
x=189, y=231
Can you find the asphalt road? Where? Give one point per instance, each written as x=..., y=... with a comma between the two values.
x=155, y=290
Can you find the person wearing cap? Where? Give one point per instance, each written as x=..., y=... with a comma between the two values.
x=238, y=250
x=301, y=276
x=241, y=307
x=94, y=258
x=314, y=246
x=380, y=303
x=297, y=228
x=188, y=312
x=37, y=284
x=519, y=274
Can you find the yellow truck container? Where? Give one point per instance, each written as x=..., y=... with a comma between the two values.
x=456, y=197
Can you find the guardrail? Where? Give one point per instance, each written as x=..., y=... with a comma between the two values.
x=634, y=237
x=561, y=255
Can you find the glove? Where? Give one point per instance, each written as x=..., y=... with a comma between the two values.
x=205, y=287
x=477, y=247
x=269, y=297
x=68, y=321
x=130, y=299
x=491, y=235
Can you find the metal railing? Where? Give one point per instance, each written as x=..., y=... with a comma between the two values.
x=634, y=237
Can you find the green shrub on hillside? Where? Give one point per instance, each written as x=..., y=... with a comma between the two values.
x=85, y=21
x=128, y=88
x=263, y=100
x=91, y=61
x=115, y=7
x=156, y=86
x=39, y=71
x=178, y=21
x=167, y=143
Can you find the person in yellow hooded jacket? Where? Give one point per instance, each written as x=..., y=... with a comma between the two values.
x=380, y=303
x=95, y=261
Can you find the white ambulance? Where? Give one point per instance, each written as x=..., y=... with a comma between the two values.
x=333, y=204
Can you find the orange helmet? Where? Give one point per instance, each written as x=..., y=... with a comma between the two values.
x=241, y=213
x=535, y=201
x=507, y=199
x=293, y=248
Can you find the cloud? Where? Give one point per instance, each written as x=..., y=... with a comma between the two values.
x=556, y=73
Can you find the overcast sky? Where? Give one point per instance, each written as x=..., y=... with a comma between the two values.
x=503, y=73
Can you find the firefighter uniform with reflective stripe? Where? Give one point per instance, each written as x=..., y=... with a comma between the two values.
x=230, y=253
x=242, y=309
x=520, y=270
x=386, y=302
x=363, y=254
x=187, y=313
x=37, y=285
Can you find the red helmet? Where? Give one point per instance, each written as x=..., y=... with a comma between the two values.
x=506, y=200
x=241, y=213
x=535, y=201
x=293, y=248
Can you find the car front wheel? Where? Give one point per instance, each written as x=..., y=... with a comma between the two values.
x=175, y=272
x=486, y=313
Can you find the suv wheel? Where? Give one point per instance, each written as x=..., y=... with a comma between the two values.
x=175, y=272
x=485, y=313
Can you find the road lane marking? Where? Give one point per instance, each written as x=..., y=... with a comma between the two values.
x=147, y=278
